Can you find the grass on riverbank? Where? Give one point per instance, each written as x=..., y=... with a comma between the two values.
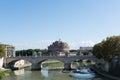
x=52, y=64
x=3, y=74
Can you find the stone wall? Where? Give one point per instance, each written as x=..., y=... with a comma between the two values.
x=115, y=66
x=103, y=65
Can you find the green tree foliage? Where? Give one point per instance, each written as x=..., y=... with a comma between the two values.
x=2, y=50
x=73, y=50
x=107, y=48
x=2, y=75
x=30, y=52
x=97, y=50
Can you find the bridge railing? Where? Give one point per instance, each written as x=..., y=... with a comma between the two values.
x=63, y=55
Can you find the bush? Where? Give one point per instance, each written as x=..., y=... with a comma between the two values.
x=2, y=75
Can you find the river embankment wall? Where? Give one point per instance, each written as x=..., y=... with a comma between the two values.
x=106, y=74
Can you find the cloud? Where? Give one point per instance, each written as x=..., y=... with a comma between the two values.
x=87, y=43
x=43, y=44
x=77, y=45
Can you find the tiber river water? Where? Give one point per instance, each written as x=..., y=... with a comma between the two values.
x=44, y=74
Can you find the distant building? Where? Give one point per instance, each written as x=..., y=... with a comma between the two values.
x=85, y=50
x=58, y=48
x=10, y=50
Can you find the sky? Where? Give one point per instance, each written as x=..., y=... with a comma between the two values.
x=37, y=23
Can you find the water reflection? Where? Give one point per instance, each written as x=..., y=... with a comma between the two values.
x=19, y=72
x=84, y=79
x=44, y=75
x=44, y=72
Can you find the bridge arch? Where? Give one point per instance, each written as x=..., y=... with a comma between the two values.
x=70, y=65
x=82, y=63
x=14, y=64
x=52, y=62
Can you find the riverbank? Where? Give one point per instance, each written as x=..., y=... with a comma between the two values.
x=105, y=74
x=52, y=65
x=24, y=66
x=4, y=73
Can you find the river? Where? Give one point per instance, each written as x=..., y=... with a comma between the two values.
x=27, y=74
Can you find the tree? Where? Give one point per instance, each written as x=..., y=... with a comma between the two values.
x=37, y=50
x=2, y=50
x=97, y=50
x=107, y=48
x=30, y=52
x=73, y=50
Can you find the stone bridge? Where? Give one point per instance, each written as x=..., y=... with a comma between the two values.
x=36, y=61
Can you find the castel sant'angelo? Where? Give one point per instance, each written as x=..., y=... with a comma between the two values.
x=58, y=47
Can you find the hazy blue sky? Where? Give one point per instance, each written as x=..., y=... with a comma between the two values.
x=38, y=23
